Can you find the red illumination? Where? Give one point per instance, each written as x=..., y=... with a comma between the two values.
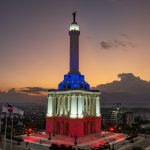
x=10, y=108
x=79, y=127
x=111, y=129
x=30, y=130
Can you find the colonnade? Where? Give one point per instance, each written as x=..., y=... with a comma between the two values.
x=73, y=105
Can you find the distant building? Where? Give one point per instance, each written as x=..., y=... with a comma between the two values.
x=143, y=115
x=128, y=118
x=116, y=117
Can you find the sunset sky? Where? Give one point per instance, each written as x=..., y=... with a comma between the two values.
x=34, y=40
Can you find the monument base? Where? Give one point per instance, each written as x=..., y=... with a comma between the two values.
x=73, y=127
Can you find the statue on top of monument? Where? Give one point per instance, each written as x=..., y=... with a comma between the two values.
x=74, y=16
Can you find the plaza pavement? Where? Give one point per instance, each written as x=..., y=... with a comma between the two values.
x=139, y=141
x=83, y=142
x=14, y=146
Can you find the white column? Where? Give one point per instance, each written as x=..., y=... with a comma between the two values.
x=54, y=106
x=86, y=105
x=90, y=105
x=66, y=105
x=97, y=106
x=94, y=106
x=73, y=107
x=80, y=111
x=69, y=104
x=61, y=105
x=83, y=108
x=65, y=101
x=58, y=102
x=50, y=106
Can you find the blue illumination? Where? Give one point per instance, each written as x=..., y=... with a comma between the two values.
x=73, y=81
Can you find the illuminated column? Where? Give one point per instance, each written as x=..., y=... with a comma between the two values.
x=94, y=105
x=90, y=105
x=85, y=99
x=58, y=106
x=61, y=105
x=80, y=111
x=66, y=105
x=50, y=104
x=73, y=106
x=54, y=106
x=92, y=101
x=83, y=108
x=85, y=105
x=97, y=106
x=69, y=104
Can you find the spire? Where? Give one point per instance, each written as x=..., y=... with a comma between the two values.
x=74, y=45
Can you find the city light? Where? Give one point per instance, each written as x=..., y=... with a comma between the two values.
x=111, y=129
x=30, y=130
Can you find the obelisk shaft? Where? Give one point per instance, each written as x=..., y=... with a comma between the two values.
x=74, y=51
x=74, y=46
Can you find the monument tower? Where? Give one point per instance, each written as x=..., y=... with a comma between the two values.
x=73, y=109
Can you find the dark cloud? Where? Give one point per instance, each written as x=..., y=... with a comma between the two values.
x=12, y=96
x=130, y=90
x=115, y=44
x=128, y=83
x=33, y=90
x=106, y=45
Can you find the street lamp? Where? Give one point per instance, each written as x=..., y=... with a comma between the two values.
x=49, y=137
x=75, y=140
x=113, y=146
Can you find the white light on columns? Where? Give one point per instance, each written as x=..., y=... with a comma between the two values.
x=50, y=108
x=80, y=112
x=73, y=107
x=97, y=106
x=83, y=111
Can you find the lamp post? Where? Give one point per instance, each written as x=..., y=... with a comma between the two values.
x=75, y=140
x=27, y=145
x=113, y=146
x=49, y=136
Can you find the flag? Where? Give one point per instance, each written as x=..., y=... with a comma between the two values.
x=18, y=111
x=4, y=108
x=9, y=108
x=13, y=109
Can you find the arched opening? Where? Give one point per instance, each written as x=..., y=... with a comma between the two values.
x=67, y=128
x=62, y=128
x=57, y=129
x=91, y=127
x=94, y=126
x=85, y=128
x=88, y=129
